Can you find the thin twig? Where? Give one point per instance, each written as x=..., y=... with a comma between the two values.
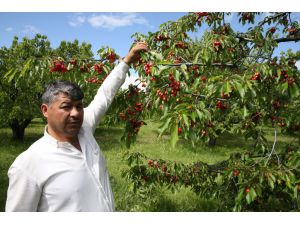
x=273, y=148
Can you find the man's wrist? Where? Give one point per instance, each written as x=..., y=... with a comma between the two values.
x=126, y=60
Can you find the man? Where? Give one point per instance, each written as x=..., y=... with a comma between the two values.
x=65, y=169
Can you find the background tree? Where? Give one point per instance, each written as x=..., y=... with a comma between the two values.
x=27, y=66
x=22, y=79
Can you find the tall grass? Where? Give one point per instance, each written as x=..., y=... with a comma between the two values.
x=108, y=138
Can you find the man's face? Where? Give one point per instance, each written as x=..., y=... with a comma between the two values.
x=64, y=117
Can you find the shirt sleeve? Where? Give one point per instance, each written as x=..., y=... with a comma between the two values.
x=23, y=193
x=105, y=95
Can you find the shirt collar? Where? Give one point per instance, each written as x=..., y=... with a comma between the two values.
x=50, y=139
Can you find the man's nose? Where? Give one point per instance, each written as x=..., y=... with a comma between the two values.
x=74, y=112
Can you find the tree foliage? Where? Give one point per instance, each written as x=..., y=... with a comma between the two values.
x=226, y=81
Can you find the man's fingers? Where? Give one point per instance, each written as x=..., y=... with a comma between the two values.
x=142, y=45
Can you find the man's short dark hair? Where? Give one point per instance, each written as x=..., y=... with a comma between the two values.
x=61, y=86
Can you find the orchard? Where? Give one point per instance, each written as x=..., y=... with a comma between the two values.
x=221, y=82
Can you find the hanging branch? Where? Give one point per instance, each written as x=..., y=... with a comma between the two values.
x=200, y=64
x=269, y=18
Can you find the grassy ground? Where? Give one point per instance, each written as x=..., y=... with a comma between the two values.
x=147, y=143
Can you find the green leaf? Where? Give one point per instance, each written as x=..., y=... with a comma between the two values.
x=245, y=112
x=253, y=194
x=284, y=87
x=186, y=120
x=10, y=75
x=183, y=68
x=240, y=195
x=219, y=179
x=240, y=89
x=248, y=198
x=200, y=114
x=294, y=90
x=270, y=182
x=193, y=116
x=196, y=57
x=196, y=83
x=174, y=135
x=27, y=66
x=227, y=88
x=163, y=128
x=295, y=192
x=162, y=69
x=157, y=55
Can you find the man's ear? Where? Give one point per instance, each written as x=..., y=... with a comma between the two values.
x=44, y=110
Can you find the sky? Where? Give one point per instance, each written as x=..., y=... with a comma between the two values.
x=112, y=29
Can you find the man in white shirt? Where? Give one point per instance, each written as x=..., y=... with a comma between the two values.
x=65, y=169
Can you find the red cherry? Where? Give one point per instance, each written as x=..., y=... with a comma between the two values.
x=203, y=78
x=272, y=30
x=179, y=130
x=171, y=77
x=256, y=76
x=236, y=173
x=98, y=68
x=164, y=168
x=217, y=43
x=219, y=104
x=291, y=30
x=73, y=62
x=147, y=68
x=150, y=163
x=201, y=14
x=112, y=57
x=247, y=190
x=156, y=164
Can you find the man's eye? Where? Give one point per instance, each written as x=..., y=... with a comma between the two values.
x=66, y=107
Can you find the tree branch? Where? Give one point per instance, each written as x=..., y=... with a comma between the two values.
x=278, y=40
x=287, y=39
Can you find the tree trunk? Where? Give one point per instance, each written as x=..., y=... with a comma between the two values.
x=18, y=128
x=212, y=142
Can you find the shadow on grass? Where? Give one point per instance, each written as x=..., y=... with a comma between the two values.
x=3, y=189
x=108, y=137
x=167, y=204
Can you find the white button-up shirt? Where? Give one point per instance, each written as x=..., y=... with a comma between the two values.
x=55, y=176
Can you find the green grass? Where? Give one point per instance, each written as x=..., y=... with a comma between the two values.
x=182, y=199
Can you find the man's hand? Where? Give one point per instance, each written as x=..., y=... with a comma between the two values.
x=134, y=53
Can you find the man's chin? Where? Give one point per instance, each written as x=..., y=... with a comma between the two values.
x=73, y=131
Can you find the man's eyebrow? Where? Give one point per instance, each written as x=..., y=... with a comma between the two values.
x=65, y=102
x=70, y=102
